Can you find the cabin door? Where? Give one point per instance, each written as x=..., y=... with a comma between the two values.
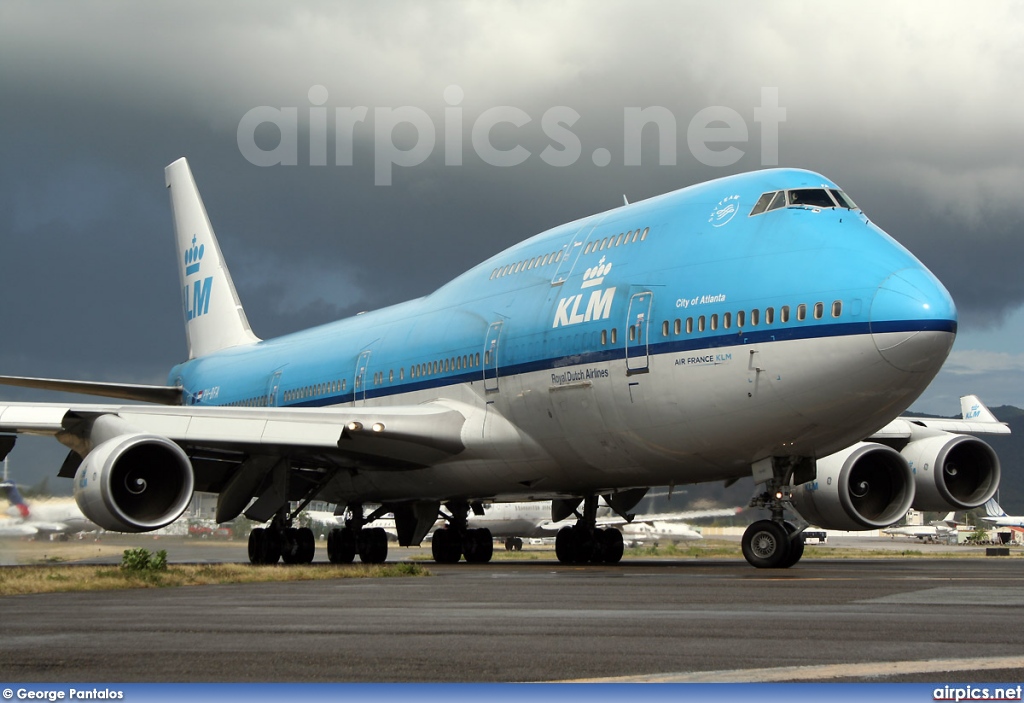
x=361, y=378
x=490, y=364
x=638, y=323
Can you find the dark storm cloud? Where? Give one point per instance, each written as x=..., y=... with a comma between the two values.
x=913, y=113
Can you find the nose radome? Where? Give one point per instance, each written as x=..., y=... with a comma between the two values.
x=913, y=320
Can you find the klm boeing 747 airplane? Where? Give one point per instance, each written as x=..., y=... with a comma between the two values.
x=758, y=324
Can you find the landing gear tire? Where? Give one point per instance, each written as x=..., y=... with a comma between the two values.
x=372, y=544
x=298, y=546
x=563, y=545
x=513, y=544
x=264, y=546
x=796, y=545
x=446, y=546
x=478, y=546
x=766, y=545
x=611, y=545
x=576, y=545
x=341, y=546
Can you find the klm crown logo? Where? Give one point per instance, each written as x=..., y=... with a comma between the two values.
x=193, y=257
x=594, y=276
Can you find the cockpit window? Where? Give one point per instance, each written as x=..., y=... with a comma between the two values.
x=843, y=199
x=762, y=203
x=810, y=197
x=803, y=198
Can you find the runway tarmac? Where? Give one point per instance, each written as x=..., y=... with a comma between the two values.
x=936, y=620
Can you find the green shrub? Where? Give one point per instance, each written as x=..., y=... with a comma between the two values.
x=143, y=560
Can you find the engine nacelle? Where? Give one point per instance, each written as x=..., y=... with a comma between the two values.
x=863, y=487
x=134, y=483
x=952, y=471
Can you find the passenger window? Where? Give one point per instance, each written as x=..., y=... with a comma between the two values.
x=819, y=310
x=741, y=318
x=604, y=337
x=619, y=240
x=801, y=312
x=586, y=249
x=769, y=316
x=689, y=325
x=615, y=335
x=677, y=327
x=754, y=317
x=664, y=328
x=701, y=323
x=632, y=333
x=726, y=320
x=784, y=314
x=644, y=235
x=837, y=308
x=714, y=322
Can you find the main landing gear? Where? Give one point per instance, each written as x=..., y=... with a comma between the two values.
x=455, y=540
x=281, y=541
x=775, y=543
x=584, y=542
x=370, y=543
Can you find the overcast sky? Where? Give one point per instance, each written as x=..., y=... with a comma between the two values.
x=914, y=110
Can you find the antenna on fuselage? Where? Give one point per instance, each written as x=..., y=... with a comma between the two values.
x=624, y=200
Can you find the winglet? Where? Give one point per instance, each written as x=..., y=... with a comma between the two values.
x=971, y=408
x=214, y=318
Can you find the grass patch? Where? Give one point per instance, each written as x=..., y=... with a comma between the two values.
x=17, y=580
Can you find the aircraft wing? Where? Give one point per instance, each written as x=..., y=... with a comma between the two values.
x=165, y=395
x=975, y=418
x=382, y=438
x=11, y=528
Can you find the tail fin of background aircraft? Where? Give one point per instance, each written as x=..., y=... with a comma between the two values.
x=993, y=509
x=214, y=318
x=971, y=408
x=11, y=491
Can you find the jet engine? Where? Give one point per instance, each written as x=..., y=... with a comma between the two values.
x=862, y=487
x=952, y=471
x=134, y=483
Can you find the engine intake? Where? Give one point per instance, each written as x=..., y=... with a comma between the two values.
x=134, y=483
x=863, y=487
x=952, y=472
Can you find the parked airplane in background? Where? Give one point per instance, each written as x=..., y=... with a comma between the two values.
x=936, y=530
x=998, y=517
x=758, y=324
x=56, y=517
x=512, y=522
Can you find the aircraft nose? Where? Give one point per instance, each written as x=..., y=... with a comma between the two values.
x=913, y=320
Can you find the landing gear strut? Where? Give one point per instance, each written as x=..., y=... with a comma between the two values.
x=775, y=543
x=455, y=540
x=584, y=542
x=370, y=543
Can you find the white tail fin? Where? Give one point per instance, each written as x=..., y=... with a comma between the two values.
x=214, y=318
x=993, y=509
x=971, y=408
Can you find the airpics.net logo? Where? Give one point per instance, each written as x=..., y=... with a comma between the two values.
x=714, y=135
